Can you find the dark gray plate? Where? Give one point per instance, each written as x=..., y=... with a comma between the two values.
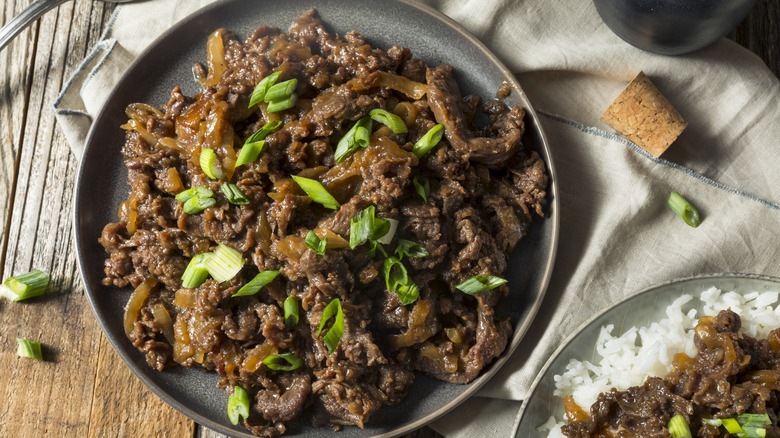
x=102, y=186
x=639, y=309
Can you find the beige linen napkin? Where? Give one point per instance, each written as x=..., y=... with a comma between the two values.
x=617, y=234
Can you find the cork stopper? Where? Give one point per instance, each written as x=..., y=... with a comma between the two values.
x=643, y=115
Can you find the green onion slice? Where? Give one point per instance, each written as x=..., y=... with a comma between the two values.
x=225, y=263
x=422, y=186
x=238, y=405
x=201, y=192
x=753, y=420
x=197, y=204
x=257, y=283
x=282, y=104
x=398, y=280
x=429, y=140
x=678, y=427
x=291, y=317
x=29, y=348
x=317, y=192
x=388, y=236
x=392, y=121
x=209, y=165
x=233, y=194
x=283, y=362
x=366, y=226
x=732, y=426
x=315, y=243
x=250, y=152
x=712, y=421
x=263, y=132
x=196, y=271
x=684, y=209
x=281, y=90
x=258, y=94
x=480, y=284
x=23, y=286
x=358, y=136
x=410, y=249
x=333, y=336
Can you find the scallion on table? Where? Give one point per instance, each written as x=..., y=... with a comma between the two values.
x=684, y=209
x=27, y=348
x=23, y=286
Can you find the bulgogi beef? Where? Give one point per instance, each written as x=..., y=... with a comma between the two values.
x=731, y=375
x=464, y=205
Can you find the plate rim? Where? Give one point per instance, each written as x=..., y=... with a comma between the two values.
x=520, y=330
x=646, y=290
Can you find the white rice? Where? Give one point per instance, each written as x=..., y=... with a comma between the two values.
x=626, y=359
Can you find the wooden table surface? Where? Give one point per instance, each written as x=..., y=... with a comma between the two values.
x=83, y=389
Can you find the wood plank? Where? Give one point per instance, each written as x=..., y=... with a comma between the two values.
x=122, y=406
x=39, y=236
x=14, y=93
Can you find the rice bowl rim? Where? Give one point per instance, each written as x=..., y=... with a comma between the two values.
x=542, y=375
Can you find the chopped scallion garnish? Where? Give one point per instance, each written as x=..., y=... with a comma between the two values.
x=678, y=427
x=196, y=271
x=258, y=94
x=290, y=312
x=27, y=348
x=250, y=152
x=23, y=286
x=480, y=284
x=422, y=186
x=684, y=209
x=257, y=283
x=410, y=249
x=238, y=405
x=366, y=226
x=388, y=236
x=753, y=420
x=263, y=132
x=333, y=336
x=197, y=204
x=201, y=192
x=283, y=362
x=392, y=121
x=429, y=140
x=233, y=194
x=225, y=263
x=317, y=192
x=282, y=104
x=281, y=90
x=209, y=164
x=397, y=280
x=315, y=243
x=732, y=426
x=358, y=136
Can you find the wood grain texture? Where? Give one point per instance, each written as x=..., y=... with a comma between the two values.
x=760, y=33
